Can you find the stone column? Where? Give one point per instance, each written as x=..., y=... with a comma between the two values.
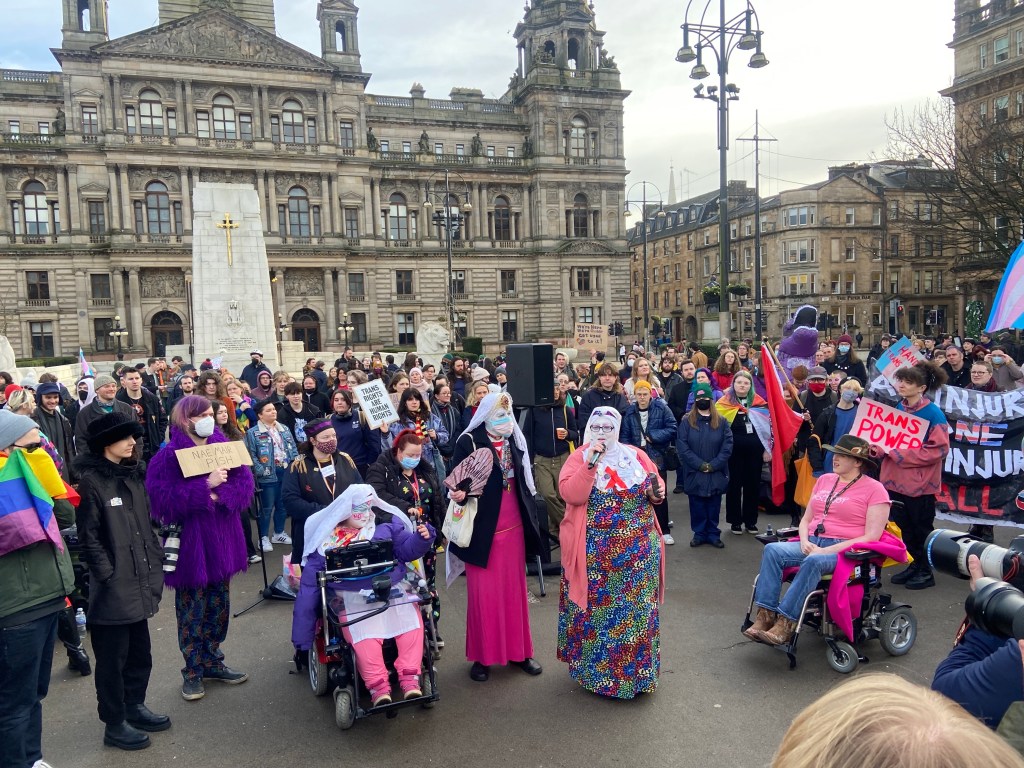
x=331, y=297
x=4, y=206
x=62, y=196
x=135, y=296
x=567, y=321
x=117, y=284
x=261, y=190
x=321, y=112
x=375, y=206
x=272, y=192
x=326, y=208
x=126, y=202
x=368, y=218
x=189, y=309
x=82, y=290
x=281, y=308
x=527, y=232
x=74, y=200
x=255, y=111
x=190, y=112
x=338, y=226
x=484, y=227
x=116, y=104
x=515, y=227
x=331, y=125
x=265, y=114
x=186, y=199
x=115, y=204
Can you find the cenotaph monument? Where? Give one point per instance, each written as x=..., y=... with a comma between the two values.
x=233, y=311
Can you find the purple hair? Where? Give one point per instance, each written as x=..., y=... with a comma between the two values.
x=187, y=409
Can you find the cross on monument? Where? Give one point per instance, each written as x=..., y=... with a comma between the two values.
x=227, y=225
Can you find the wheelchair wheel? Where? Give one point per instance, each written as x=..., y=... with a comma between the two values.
x=344, y=708
x=428, y=690
x=898, y=631
x=319, y=680
x=844, y=658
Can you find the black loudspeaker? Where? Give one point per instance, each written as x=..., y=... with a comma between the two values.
x=531, y=374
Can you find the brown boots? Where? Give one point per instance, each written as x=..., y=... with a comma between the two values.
x=781, y=633
x=763, y=621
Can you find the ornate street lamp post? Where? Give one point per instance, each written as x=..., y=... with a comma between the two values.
x=346, y=327
x=117, y=334
x=451, y=220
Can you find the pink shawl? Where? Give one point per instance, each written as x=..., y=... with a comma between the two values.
x=844, y=599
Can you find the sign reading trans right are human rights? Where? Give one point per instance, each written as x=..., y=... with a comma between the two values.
x=376, y=403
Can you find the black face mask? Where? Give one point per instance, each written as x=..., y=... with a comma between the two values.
x=83, y=394
x=703, y=404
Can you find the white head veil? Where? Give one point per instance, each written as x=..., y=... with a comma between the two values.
x=320, y=525
x=616, y=456
x=494, y=401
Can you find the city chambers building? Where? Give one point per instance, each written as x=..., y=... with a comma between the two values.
x=376, y=209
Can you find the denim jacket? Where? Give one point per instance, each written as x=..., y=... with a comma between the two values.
x=261, y=448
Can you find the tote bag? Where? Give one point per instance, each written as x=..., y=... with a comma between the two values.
x=805, y=478
x=458, y=522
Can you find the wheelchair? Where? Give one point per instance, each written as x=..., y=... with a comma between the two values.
x=331, y=660
x=892, y=623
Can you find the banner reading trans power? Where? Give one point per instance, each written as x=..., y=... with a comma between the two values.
x=984, y=470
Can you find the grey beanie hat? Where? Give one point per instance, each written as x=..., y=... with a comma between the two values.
x=102, y=380
x=13, y=426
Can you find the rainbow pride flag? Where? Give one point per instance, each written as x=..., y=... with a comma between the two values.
x=26, y=509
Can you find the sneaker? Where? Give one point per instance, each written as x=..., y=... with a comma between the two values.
x=254, y=558
x=281, y=538
x=412, y=693
x=737, y=529
x=191, y=690
x=380, y=699
x=667, y=538
x=225, y=674
x=752, y=529
x=265, y=545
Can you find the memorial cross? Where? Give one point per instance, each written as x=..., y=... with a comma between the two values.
x=227, y=225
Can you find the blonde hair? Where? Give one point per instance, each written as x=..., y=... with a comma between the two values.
x=884, y=721
x=19, y=399
x=854, y=384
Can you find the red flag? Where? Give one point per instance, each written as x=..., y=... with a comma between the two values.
x=785, y=424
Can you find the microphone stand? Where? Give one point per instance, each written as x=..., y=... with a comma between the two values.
x=280, y=589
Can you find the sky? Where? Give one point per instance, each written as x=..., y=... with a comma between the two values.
x=837, y=72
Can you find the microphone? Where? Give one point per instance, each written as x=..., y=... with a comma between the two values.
x=592, y=462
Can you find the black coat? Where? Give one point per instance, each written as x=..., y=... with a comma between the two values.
x=119, y=542
x=385, y=475
x=89, y=413
x=153, y=415
x=305, y=492
x=486, y=523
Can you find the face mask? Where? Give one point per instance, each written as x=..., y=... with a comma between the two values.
x=844, y=348
x=410, y=462
x=703, y=404
x=629, y=363
x=82, y=394
x=503, y=426
x=817, y=387
x=327, y=446
x=848, y=395
x=204, y=427
x=998, y=359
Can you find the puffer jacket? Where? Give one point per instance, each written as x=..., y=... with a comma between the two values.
x=661, y=429
x=119, y=542
x=702, y=444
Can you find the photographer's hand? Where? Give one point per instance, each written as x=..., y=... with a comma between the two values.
x=974, y=567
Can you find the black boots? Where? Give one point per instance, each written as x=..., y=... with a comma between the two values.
x=138, y=716
x=905, y=575
x=78, y=660
x=124, y=736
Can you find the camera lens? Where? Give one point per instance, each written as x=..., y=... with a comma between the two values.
x=997, y=608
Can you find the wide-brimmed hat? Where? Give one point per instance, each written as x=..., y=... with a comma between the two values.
x=111, y=427
x=855, y=448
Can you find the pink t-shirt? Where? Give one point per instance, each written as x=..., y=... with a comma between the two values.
x=849, y=510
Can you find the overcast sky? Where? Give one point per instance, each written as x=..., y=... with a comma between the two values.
x=837, y=71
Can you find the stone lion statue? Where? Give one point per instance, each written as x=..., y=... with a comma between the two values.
x=432, y=338
x=6, y=355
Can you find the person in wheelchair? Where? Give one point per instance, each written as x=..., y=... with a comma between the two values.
x=360, y=515
x=847, y=507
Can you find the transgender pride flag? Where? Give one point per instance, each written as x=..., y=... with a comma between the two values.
x=26, y=509
x=87, y=370
x=1008, y=306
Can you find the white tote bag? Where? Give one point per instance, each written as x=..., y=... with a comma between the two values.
x=458, y=522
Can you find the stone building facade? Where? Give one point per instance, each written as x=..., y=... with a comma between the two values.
x=852, y=245
x=98, y=161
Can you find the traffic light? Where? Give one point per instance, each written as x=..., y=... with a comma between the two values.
x=611, y=329
x=899, y=309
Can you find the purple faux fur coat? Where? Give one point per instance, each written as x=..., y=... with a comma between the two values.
x=212, y=544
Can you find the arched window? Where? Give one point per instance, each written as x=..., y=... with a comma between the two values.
x=580, y=215
x=84, y=20
x=298, y=212
x=151, y=113
x=224, y=118
x=158, y=209
x=306, y=328
x=165, y=328
x=291, y=120
x=37, y=215
x=574, y=53
x=340, y=37
x=502, y=219
x=398, y=217
x=549, y=49
x=578, y=138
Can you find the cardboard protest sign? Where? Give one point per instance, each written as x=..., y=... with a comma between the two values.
x=887, y=427
x=590, y=336
x=203, y=459
x=376, y=403
x=899, y=355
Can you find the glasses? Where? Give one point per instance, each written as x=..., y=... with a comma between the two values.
x=605, y=428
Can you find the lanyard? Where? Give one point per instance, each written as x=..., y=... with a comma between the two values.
x=331, y=481
x=820, y=529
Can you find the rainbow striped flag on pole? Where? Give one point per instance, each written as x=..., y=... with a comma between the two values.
x=26, y=509
x=87, y=370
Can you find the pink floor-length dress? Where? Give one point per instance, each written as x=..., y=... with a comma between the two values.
x=497, y=611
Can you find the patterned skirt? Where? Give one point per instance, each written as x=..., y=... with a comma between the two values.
x=613, y=647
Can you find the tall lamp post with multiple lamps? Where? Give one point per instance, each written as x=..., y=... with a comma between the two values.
x=117, y=334
x=642, y=204
x=346, y=327
x=741, y=32
x=451, y=219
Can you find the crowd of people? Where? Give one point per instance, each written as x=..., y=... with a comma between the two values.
x=590, y=473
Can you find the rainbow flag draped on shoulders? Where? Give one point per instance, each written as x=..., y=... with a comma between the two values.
x=757, y=414
x=28, y=486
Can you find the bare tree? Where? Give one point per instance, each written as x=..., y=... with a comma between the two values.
x=971, y=193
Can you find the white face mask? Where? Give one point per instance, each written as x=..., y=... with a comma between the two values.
x=204, y=427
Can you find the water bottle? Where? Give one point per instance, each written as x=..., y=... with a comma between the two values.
x=769, y=532
x=80, y=623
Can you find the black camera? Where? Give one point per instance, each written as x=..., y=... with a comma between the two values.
x=996, y=605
